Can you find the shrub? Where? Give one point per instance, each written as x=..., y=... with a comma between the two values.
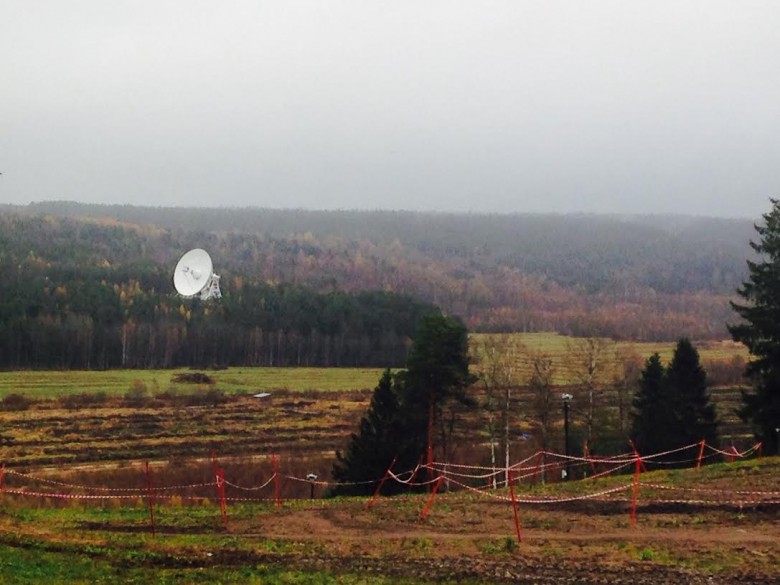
x=15, y=401
x=209, y=397
x=84, y=400
x=138, y=395
x=193, y=378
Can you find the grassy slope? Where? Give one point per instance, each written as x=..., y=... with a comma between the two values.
x=465, y=537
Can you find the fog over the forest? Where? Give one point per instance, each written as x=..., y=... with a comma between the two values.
x=503, y=106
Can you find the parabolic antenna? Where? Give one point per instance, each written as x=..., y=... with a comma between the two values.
x=194, y=276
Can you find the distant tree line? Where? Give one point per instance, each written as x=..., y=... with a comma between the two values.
x=587, y=276
x=97, y=318
x=595, y=253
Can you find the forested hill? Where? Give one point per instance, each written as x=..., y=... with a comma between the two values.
x=590, y=252
x=650, y=278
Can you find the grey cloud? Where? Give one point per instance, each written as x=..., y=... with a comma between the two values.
x=608, y=106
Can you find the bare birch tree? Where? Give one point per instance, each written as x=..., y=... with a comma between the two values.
x=591, y=358
x=497, y=357
x=626, y=383
x=544, y=404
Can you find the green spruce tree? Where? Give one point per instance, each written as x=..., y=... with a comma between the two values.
x=653, y=415
x=380, y=439
x=408, y=408
x=437, y=375
x=760, y=332
x=694, y=413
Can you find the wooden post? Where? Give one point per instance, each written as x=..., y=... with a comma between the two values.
x=2, y=476
x=150, y=496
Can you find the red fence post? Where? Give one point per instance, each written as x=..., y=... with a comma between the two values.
x=215, y=472
x=276, y=481
x=636, y=488
x=642, y=463
x=701, y=454
x=150, y=496
x=430, y=500
x=429, y=464
x=518, y=529
x=732, y=453
x=2, y=476
x=590, y=460
x=222, y=499
x=381, y=483
x=758, y=447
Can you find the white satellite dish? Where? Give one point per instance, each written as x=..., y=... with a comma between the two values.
x=194, y=276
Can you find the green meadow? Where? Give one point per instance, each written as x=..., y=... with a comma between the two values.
x=519, y=348
x=49, y=384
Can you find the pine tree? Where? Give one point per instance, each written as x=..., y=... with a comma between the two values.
x=687, y=386
x=760, y=332
x=371, y=450
x=407, y=406
x=653, y=415
x=437, y=374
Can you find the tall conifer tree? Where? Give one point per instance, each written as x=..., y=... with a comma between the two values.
x=653, y=415
x=407, y=406
x=693, y=412
x=371, y=450
x=760, y=332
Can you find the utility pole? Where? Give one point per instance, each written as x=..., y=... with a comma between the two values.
x=566, y=399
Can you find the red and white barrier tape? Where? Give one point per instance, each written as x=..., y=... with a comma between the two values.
x=143, y=490
x=710, y=491
x=251, y=489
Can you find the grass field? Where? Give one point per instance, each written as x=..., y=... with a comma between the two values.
x=563, y=351
x=467, y=538
x=519, y=346
x=309, y=414
x=50, y=384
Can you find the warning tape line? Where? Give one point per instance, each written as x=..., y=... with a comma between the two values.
x=409, y=481
x=104, y=489
x=550, y=500
x=250, y=489
x=709, y=491
x=69, y=496
x=440, y=469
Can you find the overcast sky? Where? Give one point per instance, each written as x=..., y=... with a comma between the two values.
x=615, y=106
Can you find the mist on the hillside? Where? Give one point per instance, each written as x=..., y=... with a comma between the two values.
x=500, y=107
